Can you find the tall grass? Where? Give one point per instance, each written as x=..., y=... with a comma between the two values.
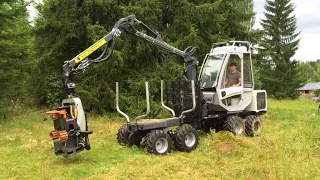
x=288, y=149
x=9, y=109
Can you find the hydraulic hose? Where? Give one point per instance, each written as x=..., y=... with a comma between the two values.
x=71, y=113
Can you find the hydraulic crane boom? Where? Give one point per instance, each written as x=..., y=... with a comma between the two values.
x=80, y=62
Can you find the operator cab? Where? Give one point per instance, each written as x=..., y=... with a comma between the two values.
x=225, y=88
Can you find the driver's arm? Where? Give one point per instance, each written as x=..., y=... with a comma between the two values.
x=240, y=80
x=239, y=84
x=225, y=83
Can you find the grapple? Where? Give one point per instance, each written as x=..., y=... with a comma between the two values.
x=67, y=135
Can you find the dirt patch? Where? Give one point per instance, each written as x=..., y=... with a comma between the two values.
x=222, y=147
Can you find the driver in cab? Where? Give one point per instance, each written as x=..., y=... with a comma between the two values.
x=233, y=78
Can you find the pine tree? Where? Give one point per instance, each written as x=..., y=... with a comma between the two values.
x=279, y=73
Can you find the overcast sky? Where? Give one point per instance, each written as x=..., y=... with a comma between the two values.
x=308, y=16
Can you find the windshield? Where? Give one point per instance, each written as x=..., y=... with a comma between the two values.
x=211, y=71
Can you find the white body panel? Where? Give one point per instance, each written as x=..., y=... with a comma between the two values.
x=237, y=104
x=81, y=118
x=232, y=91
x=253, y=106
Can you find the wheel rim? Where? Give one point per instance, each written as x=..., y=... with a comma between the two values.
x=238, y=128
x=161, y=145
x=190, y=139
x=256, y=127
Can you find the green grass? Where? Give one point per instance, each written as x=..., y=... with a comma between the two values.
x=289, y=148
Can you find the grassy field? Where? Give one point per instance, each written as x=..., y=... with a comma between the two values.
x=289, y=148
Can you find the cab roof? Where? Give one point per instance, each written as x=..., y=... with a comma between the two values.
x=230, y=47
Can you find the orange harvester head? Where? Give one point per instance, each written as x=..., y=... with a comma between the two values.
x=56, y=114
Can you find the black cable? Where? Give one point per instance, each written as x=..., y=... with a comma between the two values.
x=113, y=40
x=108, y=56
x=102, y=54
x=97, y=60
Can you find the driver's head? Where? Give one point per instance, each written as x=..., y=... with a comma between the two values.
x=233, y=66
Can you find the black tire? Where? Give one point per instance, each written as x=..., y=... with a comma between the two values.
x=218, y=127
x=123, y=135
x=135, y=138
x=235, y=125
x=253, y=126
x=186, y=138
x=158, y=142
x=206, y=127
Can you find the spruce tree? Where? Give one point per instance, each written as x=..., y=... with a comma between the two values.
x=15, y=36
x=279, y=73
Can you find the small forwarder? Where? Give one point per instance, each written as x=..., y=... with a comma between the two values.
x=202, y=103
x=199, y=101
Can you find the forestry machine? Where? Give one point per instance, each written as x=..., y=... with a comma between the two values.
x=197, y=102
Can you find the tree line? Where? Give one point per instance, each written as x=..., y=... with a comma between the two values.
x=32, y=56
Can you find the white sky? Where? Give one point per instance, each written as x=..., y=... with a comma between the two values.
x=308, y=20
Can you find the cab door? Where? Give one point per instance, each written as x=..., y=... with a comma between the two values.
x=230, y=96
